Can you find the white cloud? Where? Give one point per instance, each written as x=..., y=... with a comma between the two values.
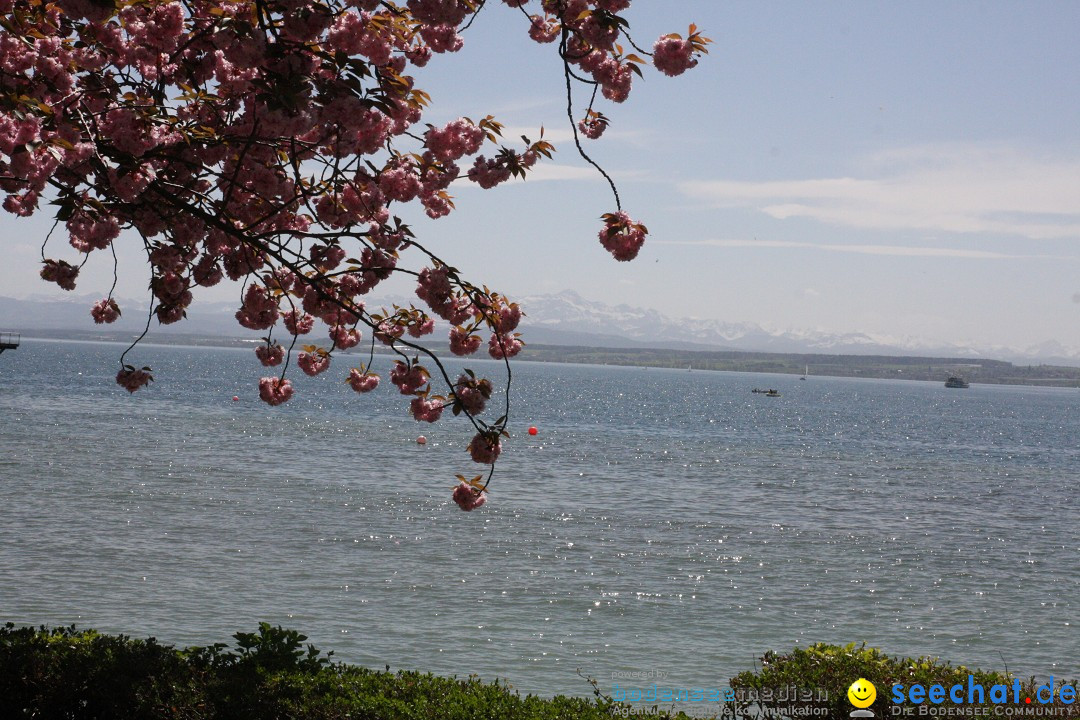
x=892, y=250
x=555, y=171
x=960, y=189
x=511, y=134
x=562, y=137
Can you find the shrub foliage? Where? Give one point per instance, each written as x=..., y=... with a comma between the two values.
x=54, y=673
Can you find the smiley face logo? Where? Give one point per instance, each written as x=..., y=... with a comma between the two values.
x=862, y=693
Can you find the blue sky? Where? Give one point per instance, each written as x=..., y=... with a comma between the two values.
x=906, y=169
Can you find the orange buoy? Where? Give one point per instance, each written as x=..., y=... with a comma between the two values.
x=533, y=430
x=421, y=440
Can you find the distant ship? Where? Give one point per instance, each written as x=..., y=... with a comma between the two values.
x=955, y=381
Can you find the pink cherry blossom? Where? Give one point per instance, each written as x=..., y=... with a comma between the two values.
x=259, y=311
x=355, y=34
x=282, y=280
x=485, y=448
x=621, y=236
x=270, y=355
x=131, y=379
x=424, y=410
x=433, y=286
x=362, y=382
x=313, y=363
x=171, y=285
x=571, y=11
x=436, y=205
x=418, y=56
x=105, y=311
x=463, y=343
x=297, y=323
x=468, y=498
x=442, y=38
x=207, y=272
x=388, y=332
x=489, y=173
x=503, y=346
x=617, y=84
x=509, y=317
x=472, y=394
x=400, y=182
x=89, y=232
x=439, y=12
x=457, y=139
x=409, y=379
x=334, y=316
x=419, y=329
x=23, y=204
x=544, y=30
x=326, y=257
x=287, y=149
x=344, y=338
x=600, y=34
x=593, y=128
x=673, y=55
x=88, y=9
x=61, y=273
x=275, y=391
x=169, y=313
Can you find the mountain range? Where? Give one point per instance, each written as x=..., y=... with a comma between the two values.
x=564, y=318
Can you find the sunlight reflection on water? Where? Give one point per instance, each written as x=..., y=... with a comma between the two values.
x=661, y=519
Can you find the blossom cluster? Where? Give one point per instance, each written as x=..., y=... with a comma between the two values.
x=362, y=382
x=621, y=236
x=271, y=142
x=131, y=379
x=468, y=497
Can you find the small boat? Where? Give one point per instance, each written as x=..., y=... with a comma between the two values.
x=772, y=393
x=955, y=381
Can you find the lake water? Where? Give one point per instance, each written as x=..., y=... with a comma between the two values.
x=661, y=520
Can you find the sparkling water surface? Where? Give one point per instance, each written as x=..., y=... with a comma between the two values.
x=661, y=520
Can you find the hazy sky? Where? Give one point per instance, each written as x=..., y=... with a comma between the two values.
x=904, y=168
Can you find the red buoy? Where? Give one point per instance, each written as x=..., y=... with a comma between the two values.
x=421, y=440
x=533, y=430
x=235, y=398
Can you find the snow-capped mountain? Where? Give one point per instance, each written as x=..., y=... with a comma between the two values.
x=564, y=318
x=567, y=318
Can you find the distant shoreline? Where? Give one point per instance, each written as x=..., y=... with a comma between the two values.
x=885, y=367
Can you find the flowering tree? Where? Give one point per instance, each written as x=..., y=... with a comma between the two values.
x=268, y=141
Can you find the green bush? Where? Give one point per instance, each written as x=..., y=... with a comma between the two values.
x=69, y=674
